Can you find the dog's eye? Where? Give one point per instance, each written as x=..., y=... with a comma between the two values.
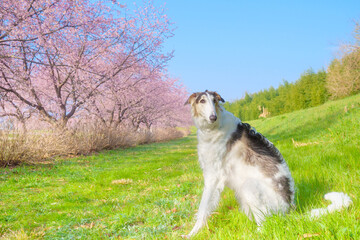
x=202, y=101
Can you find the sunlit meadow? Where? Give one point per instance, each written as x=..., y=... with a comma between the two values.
x=153, y=191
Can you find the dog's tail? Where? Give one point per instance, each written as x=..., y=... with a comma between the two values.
x=338, y=200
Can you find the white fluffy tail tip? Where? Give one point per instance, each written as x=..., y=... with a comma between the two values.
x=338, y=200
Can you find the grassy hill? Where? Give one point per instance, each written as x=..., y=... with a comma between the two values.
x=153, y=191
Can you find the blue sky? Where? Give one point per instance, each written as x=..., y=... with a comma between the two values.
x=235, y=47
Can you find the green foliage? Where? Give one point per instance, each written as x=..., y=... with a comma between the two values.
x=153, y=191
x=308, y=91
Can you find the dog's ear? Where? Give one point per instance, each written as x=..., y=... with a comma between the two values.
x=190, y=99
x=218, y=97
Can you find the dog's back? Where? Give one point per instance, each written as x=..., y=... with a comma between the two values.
x=256, y=150
x=258, y=174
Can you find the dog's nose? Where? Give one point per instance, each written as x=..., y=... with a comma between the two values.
x=213, y=118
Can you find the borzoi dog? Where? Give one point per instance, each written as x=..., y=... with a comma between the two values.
x=233, y=154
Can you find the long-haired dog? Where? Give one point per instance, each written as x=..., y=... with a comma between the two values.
x=233, y=154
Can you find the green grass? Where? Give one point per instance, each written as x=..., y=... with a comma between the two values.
x=159, y=187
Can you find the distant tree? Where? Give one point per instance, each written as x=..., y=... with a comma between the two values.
x=309, y=90
x=344, y=73
x=247, y=98
x=319, y=93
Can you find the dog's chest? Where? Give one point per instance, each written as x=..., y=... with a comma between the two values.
x=212, y=151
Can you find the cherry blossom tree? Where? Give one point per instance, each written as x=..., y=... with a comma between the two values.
x=146, y=98
x=57, y=57
x=163, y=105
x=10, y=108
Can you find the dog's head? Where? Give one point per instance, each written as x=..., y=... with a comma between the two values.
x=205, y=105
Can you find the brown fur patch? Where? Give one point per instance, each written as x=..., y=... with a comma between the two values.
x=195, y=98
x=218, y=97
x=199, y=96
x=190, y=99
x=195, y=112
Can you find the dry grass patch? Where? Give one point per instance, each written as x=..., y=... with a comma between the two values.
x=23, y=235
x=302, y=144
x=122, y=181
x=41, y=145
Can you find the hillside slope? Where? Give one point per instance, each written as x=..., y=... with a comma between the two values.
x=153, y=191
x=321, y=146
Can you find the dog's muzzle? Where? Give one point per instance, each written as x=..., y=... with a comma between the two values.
x=213, y=118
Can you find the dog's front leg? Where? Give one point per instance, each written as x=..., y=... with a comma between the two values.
x=209, y=201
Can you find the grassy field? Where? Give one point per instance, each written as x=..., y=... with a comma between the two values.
x=153, y=191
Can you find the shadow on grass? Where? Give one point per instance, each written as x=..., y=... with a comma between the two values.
x=309, y=192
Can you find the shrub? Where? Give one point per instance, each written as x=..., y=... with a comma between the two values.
x=13, y=148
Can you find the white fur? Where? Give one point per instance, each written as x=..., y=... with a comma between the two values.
x=338, y=200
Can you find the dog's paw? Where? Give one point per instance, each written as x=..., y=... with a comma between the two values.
x=185, y=236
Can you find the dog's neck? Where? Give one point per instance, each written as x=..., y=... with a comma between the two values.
x=209, y=132
x=204, y=127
